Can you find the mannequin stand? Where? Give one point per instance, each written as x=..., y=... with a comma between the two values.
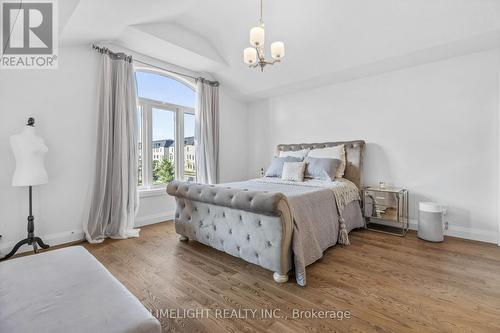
x=31, y=240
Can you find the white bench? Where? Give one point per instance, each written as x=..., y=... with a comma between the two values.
x=67, y=290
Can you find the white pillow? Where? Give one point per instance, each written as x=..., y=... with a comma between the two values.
x=297, y=153
x=293, y=171
x=337, y=152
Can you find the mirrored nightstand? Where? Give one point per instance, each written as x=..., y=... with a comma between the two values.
x=386, y=204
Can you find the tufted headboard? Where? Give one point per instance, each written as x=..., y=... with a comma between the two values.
x=355, y=151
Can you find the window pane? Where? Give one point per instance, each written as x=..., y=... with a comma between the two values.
x=163, y=145
x=139, y=146
x=164, y=89
x=189, y=152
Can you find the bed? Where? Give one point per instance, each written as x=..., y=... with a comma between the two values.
x=67, y=290
x=278, y=225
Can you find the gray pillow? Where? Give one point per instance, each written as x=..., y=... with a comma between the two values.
x=322, y=168
x=276, y=167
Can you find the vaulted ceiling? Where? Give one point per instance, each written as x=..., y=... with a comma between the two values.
x=326, y=40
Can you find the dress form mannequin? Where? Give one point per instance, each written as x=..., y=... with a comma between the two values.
x=29, y=150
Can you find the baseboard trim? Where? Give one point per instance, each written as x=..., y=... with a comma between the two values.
x=154, y=218
x=76, y=235
x=50, y=239
x=466, y=233
x=481, y=235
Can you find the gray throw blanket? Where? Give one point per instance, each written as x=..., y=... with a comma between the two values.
x=317, y=208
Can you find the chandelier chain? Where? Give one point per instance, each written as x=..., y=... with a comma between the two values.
x=261, y=20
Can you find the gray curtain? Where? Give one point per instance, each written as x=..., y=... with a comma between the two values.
x=207, y=132
x=115, y=199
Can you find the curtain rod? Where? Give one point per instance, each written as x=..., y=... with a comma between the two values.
x=123, y=55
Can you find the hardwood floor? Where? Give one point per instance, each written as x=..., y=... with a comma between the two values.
x=387, y=283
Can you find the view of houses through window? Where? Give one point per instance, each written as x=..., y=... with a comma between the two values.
x=166, y=136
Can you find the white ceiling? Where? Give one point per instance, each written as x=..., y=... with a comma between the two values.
x=326, y=40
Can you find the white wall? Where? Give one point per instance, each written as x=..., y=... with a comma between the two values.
x=63, y=103
x=432, y=129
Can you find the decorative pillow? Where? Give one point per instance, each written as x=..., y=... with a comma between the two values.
x=276, y=167
x=295, y=153
x=322, y=168
x=337, y=152
x=294, y=171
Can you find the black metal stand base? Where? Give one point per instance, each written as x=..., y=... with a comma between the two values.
x=31, y=239
x=34, y=241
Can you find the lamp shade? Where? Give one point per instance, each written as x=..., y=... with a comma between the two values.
x=249, y=55
x=257, y=36
x=278, y=50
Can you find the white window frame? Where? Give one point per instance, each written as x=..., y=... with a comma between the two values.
x=147, y=105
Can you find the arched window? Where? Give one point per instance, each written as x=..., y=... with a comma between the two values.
x=166, y=121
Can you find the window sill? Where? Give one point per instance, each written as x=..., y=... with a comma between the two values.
x=153, y=192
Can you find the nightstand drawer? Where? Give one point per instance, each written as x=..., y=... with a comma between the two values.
x=381, y=212
x=381, y=198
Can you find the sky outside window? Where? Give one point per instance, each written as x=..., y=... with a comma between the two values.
x=161, y=88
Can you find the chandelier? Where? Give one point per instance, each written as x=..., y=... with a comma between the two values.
x=254, y=56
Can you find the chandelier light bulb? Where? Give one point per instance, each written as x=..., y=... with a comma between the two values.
x=257, y=36
x=278, y=50
x=249, y=55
